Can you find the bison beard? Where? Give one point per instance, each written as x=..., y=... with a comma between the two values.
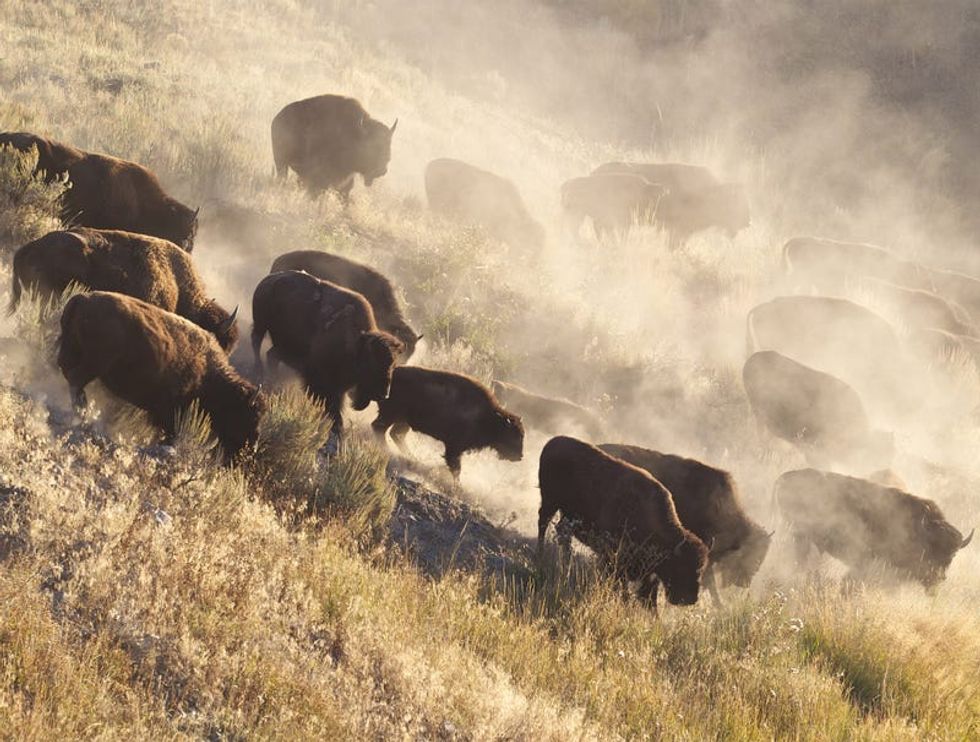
x=623, y=513
x=158, y=362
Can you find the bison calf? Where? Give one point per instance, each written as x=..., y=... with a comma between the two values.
x=708, y=505
x=148, y=268
x=366, y=281
x=328, y=335
x=860, y=522
x=613, y=201
x=452, y=408
x=547, y=414
x=623, y=514
x=156, y=361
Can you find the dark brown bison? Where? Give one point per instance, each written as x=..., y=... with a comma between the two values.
x=613, y=201
x=366, y=281
x=454, y=409
x=923, y=309
x=624, y=515
x=724, y=207
x=674, y=176
x=328, y=335
x=325, y=140
x=465, y=193
x=838, y=337
x=708, y=505
x=860, y=522
x=816, y=412
x=53, y=158
x=109, y=193
x=828, y=265
x=547, y=414
x=148, y=268
x=158, y=362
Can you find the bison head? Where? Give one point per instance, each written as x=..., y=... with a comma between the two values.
x=236, y=422
x=376, y=354
x=508, y=435
x=374, y=149
x=407, y=337
x=740, y=567
x=680, y=570
x=219, y=323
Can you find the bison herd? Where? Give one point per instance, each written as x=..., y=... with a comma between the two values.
x=148, y=331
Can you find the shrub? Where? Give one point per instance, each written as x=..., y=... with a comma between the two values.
x=29, y=207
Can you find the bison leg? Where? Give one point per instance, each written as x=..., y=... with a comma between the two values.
x=545, y=514
x=398, y=433
x=709, y=582
x=335, y=409
x=564, y=529
x=258, y=335
x=272, y=361
x=453, y=459
x=647, y=592
x=77, y=372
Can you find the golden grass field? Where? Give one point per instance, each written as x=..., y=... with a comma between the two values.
x=162, y=596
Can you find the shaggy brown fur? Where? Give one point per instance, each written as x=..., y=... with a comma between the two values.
x=452, y=408
x=109, y=193
x=613, y=201
x=328, y=335
x=814, y=411
x=547, y=414
x=158, y=362
x=708, y=505
x=460, y=191
x=858, y=522
x=53, y=158
x=623, y=514
x=839, y=337
x=723, y=207
x=149, y=268
x=326, y=140
x=826, y=265
x=674, y=176
x=366, y=281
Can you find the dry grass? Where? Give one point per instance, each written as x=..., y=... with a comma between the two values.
x=151, y=593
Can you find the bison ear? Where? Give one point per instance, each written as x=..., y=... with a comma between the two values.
x=419, y=337
x=393, y=127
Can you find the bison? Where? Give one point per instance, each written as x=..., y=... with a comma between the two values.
x=828, y=265
x=923, y=309
x=109, y=193
x=53, y=158
x=839, y=337
x=708, y=505
x=454, y=409
x=816, y=412
x=613, y=201
x=959, y=288
x=860, y=522
x=547, y=414
x=328, y=335
x=676, y=177
x=624, y=515
x=366, y=281
x=682, y=214
x=158, y=362
x=148, y=268
x=463, y=192
x=326, y=139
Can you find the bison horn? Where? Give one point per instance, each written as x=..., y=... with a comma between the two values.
x=770, y=534
x=419, y=337
x=226, y=325
x=392, y=129
x=677, y=549
x=967, y=540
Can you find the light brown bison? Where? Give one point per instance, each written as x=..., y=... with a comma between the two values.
x=624, y=515
x=923, y=309
x=109, y=193
x=326, y=139
x=158, y=362
x=53, y=158
x=674, y=176
x=708, y=505
x=816, y=412
x=548, y=414
x=148, y=268
x=828, y=265
x=613, y=201
x=366, y=281
x=838, y=337
x=860, y=522
x=454, y=409
x=328, y=335
x=959, y=288
x=683, y=214
x=463, y=192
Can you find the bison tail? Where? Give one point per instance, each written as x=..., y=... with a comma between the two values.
x=14, y=295
x=258, y=335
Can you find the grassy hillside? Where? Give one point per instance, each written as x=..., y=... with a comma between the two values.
x=148, y=593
